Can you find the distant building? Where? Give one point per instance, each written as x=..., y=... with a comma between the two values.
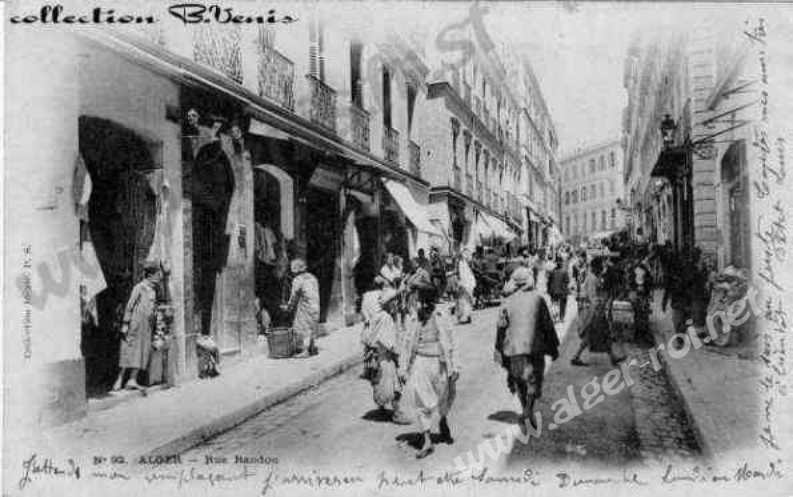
x=592, y=192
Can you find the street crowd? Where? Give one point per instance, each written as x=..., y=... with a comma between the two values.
x=408, y=338
x=410, y=308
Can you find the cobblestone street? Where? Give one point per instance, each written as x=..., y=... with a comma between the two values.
x=336, y=420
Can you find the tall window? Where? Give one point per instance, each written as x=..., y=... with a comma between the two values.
x=603, y=219
x=594, y=220
x=602, y=190
x=567, y=225
x=601, y=164
x=613, y=218
x=612, y=160
x=583, y=194
x=411, y=94
x=611, y=187
x=356, y=82
x=566, y=198
x=316, y=50
x=386, y=97
x=592, y=192
x=591, y=166
x=575, y=196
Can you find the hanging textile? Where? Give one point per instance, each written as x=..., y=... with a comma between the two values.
x=91, y=276
x=265, y=243
x=355, y=241
x=81, y=189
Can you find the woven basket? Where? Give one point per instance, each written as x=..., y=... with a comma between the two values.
x=622, y=312
x=281, y=343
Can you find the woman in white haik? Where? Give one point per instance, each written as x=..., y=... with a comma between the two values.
x=430, y=367
x=381, y=348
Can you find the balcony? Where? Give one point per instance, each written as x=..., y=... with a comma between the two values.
x=359, y=124
x=457, y=185
x=414, y=155
x=219, y=47
x=469, y=185
x=391, y=145
x=323, y=103
x=276, y=78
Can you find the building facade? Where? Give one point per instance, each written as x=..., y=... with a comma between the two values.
x=689, y=128
x=592, y=192
x=489, y=147
x=221, y=152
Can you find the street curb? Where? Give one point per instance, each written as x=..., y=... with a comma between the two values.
x=187, y=441
x=676, y=381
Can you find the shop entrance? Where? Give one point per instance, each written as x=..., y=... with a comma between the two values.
x=272, y=251
x=736, y=205
x=395, y=234
x=121, y=223
x=322, y=235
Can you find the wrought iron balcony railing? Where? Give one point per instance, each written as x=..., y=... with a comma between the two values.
x=276, y=78
x=414, y=152
x=323, y=103
x=219, y=48
x=359, y=121
x=391, y=145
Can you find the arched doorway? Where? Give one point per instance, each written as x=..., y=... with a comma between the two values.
x=735, y=206
x=121, y=224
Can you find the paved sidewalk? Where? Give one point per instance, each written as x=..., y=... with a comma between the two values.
x=170, y=421
x=718, y=389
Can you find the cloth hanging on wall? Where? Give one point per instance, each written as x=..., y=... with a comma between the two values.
x=265, y=244
x=81, y=189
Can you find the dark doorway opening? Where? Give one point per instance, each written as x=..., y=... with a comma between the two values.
x=322, y=235
x=272, y=255
x=121, y=223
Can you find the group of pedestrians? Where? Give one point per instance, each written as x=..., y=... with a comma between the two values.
x=409, y=351
x=409, y=345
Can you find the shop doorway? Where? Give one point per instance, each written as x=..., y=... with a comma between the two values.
x=121, y=224
x=395, y=235
x=736, y=205
x=272, y=252
x=322, y=235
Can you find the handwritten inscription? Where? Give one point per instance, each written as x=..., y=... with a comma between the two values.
x=36, y=467
x=166, y=470
x=770, y=175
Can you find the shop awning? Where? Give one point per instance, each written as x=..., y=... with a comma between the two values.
x=415, y=213
x=602, y=235
x=483, y=228
x=500, y=229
